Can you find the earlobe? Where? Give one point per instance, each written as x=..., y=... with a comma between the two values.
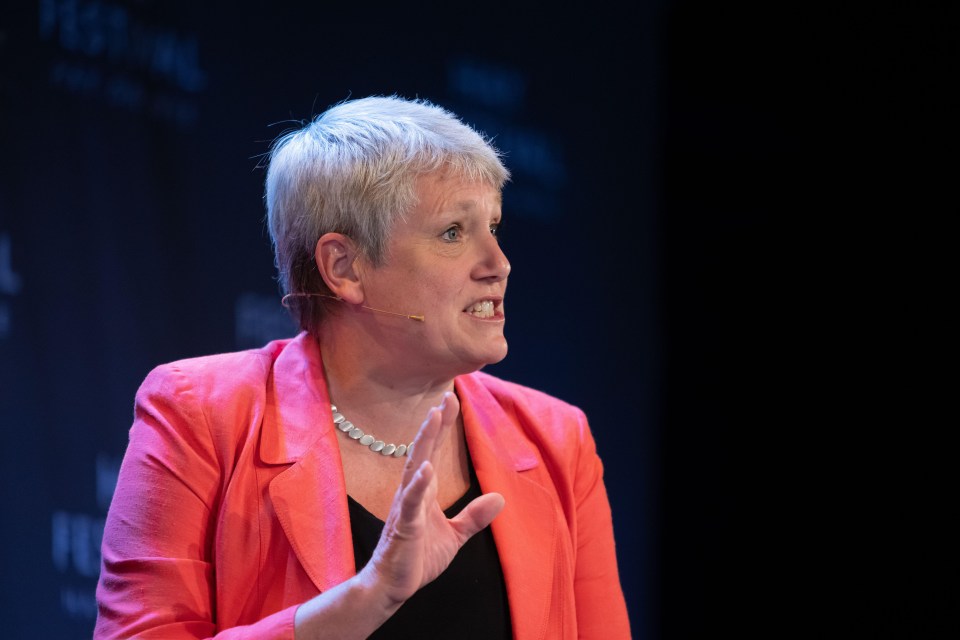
x=336, y=257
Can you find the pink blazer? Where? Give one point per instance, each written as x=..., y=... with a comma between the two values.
x=231, y=507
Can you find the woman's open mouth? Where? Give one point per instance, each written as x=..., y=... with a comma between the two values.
x=486, y=309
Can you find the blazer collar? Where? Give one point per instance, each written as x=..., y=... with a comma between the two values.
x=526, y=532
x=299, y=403
x=310, y=497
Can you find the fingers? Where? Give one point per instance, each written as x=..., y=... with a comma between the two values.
x=425, y=443
x=416, y=495
x=477, y=515
x=450, y=408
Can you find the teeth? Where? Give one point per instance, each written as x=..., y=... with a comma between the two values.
x=482, y=309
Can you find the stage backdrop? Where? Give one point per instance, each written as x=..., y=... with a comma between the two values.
x=131, y=233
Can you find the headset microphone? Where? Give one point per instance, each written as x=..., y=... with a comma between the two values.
x=285, y=301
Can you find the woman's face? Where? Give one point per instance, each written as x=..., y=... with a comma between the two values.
x=443, y=261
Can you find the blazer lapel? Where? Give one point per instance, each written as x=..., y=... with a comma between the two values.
x=526, y=531
x=310, y=497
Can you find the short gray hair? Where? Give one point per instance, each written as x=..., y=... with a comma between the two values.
x=353, y=170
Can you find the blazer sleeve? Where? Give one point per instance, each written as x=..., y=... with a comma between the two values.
x=601, y=608
x=157, y=576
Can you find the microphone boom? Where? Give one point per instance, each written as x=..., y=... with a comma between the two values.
x=285, y=301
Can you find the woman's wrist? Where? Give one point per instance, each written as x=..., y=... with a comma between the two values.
x=371, y=587
x=354, y=608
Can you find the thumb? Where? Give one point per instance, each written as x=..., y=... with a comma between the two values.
x=477, y=515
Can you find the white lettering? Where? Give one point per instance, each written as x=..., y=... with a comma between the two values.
x=61, y=540
x=76, y=542
x=104, y=30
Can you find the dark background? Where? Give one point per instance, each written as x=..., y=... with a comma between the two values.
x=713, y=221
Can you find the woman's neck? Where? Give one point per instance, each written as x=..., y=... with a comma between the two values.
x=372, y=389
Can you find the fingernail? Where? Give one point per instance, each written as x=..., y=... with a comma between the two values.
x=446, y=396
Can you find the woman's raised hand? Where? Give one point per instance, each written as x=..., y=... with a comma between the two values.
x=418, y=541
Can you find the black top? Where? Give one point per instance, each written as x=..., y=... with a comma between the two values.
x=467, y=601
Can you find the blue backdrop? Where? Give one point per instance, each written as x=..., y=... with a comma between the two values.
x=647, y=210
x=131, y=233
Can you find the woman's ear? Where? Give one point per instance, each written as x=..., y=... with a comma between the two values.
x=336, y=257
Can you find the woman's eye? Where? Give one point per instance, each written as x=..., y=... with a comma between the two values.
x=452, y=234
x=495, y=229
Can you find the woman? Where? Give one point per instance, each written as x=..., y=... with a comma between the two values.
x=341, y=484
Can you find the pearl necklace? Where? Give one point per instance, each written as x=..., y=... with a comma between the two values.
x=367, y=440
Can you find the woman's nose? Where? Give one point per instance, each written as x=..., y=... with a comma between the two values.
x=494, y=263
